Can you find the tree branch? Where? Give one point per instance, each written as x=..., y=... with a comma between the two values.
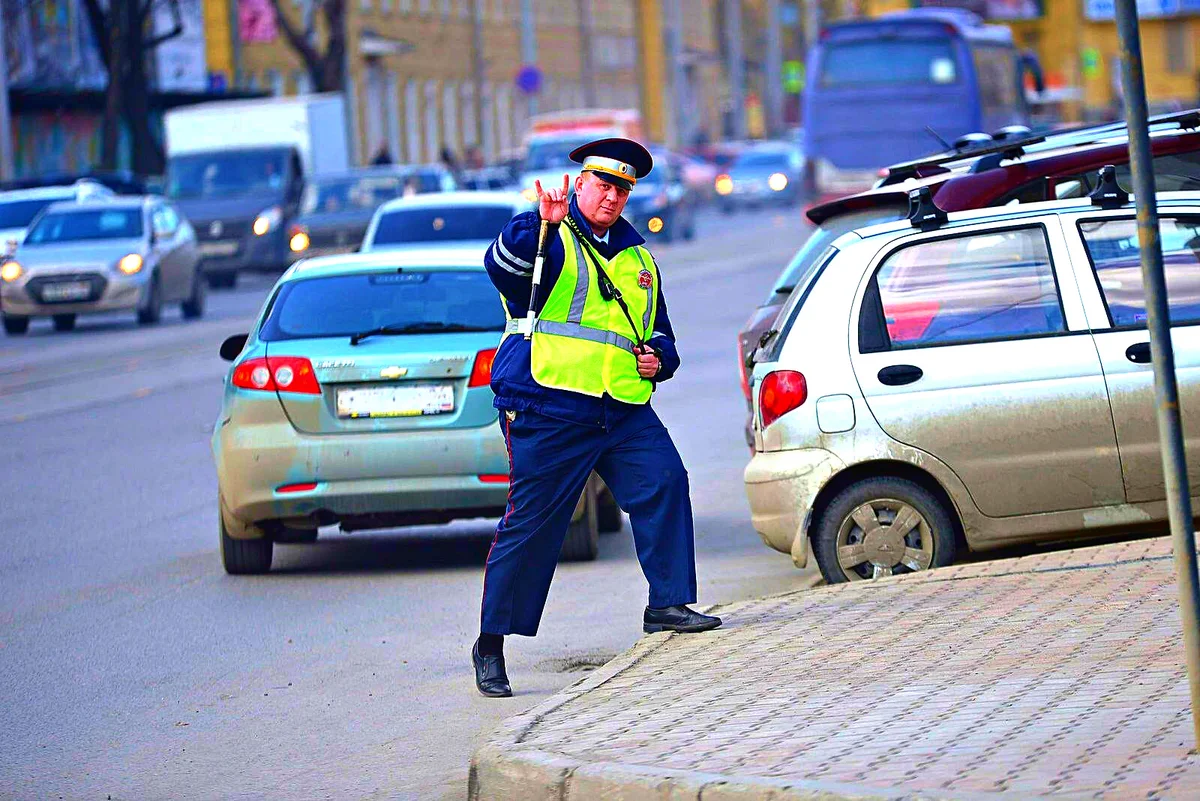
x=176, y=29
x=297, y=39
x=98, y=22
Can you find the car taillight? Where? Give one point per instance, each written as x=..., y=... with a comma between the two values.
x=277, y=373
x=481, y=373
x=743, y=370
x=781, y=392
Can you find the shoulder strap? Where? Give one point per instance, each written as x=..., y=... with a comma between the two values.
x=608, y=290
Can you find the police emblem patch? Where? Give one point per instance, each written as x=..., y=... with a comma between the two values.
x=645, y=279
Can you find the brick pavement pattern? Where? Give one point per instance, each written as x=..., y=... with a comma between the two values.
x=1055, y=675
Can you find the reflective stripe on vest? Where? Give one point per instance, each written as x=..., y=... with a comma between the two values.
x=583, y=343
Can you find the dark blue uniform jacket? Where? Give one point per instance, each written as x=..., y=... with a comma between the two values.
x=509, y=262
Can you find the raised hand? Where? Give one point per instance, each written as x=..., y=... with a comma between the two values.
x=553, y=204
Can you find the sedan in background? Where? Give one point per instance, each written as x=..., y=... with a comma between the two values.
x=765, y=174
x=662, y=208
x=336, y=210
x=443, y=218
x=19, y=207
x=362, y=399
x=134, y=254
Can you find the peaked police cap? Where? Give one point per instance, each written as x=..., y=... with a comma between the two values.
x=621, y=161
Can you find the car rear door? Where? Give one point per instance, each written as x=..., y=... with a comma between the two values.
x=1107, y=257
x=972, y=345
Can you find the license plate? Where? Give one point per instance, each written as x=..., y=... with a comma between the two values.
x=218, y=248
x=414, y=400
x=67, y=290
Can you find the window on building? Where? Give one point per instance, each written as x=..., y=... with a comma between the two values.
x=996, y=71
x=977, y=287
x=412, y=121
x=1178, y=46
x=431, y=121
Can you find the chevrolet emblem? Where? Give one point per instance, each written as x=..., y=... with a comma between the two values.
x=393, y=372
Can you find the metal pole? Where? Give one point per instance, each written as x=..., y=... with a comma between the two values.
x=678, y=130
x=6, y=139
x=774, y=71
x=478, y=71
x=529, y=47
x=1166, y=391
x=736, y=68
x=587, y=65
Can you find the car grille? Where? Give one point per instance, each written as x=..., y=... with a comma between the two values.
x=227, y=230
x=35, y=286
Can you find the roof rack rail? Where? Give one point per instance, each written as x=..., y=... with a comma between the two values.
x=911, y=169
x=923, y=213
x=1108, y=194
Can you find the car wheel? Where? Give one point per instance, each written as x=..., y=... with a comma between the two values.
x=609, y=517
x=223, y=279
x=193, y=307
x=64, y=322
x=244, y=557
x=582, y=543
x=882, y=527
x=152, y=312
x=14, y=325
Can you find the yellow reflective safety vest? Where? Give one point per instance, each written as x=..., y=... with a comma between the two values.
x=584, y=343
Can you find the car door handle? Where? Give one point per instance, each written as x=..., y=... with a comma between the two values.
x=1138, y=353
x=899, y=374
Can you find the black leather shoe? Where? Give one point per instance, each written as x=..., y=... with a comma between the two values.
x=491, y=679
x=677, y=618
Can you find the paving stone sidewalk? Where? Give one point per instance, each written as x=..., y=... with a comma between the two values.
x=1056, y=675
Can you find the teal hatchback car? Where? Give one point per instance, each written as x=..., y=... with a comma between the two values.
x=361, y=398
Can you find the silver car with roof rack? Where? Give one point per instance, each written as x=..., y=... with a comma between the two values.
x=971, y=381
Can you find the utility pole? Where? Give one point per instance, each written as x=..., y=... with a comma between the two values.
x=774, y=71
x=7, y=171
x=587, y=65
x=678, y=121
x=1166, y=390
x=478, y=69
x=529, y=47
x=736, y=68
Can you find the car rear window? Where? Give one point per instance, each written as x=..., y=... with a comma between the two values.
x=342, y=305
x=1113, y=248
x=441, y=224
x=76, y=226
x=805, y=260
x=889, y=63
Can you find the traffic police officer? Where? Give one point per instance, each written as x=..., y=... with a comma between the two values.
x=574, y=397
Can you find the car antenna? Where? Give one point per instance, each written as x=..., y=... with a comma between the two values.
x=941, y=141
x=1108, y=194
x=923, y=213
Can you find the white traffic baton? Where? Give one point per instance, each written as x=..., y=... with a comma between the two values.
x=538, y=261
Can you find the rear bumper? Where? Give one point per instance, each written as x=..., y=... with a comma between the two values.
x=781, y=487
x=362, y=480
x=119, y=293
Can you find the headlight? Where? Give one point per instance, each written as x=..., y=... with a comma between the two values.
x=724, y=185
x=299, y=241
x=267, y=220
x=130, y=264
x=530, y=195
x=777, y=182
x=655, y=224
x=11, y=271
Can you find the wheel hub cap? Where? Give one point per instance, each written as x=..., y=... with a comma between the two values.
x=884, y=546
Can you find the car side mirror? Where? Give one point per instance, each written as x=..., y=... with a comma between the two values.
x=232, y=346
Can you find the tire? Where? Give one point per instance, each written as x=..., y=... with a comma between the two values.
x=64, y=322
x=609, y=518
x=930, y=542
x=582, y=543
x=223, y=279
x=244, y=557
x=193, y=307
x=14, y=325
x=152, y=313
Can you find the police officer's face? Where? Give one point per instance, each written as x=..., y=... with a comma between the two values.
x=600, y=202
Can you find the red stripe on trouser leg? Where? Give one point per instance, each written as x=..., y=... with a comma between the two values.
x=508, y=511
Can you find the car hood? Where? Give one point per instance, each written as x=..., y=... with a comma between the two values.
x=203, y=210
x=92, y=255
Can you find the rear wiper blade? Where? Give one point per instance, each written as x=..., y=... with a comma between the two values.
x=784, y=290
x=426, y=327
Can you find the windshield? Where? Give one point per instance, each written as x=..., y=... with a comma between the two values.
x=889, y=63
x=77, y=226
x=345, y=305
x=823, y=236
x=226, y=173
x=19, y=213
x=441, y=224
x=773, y=160
x=331, y=195
x=553, y=154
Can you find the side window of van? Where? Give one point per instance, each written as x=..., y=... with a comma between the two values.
x=974, y=288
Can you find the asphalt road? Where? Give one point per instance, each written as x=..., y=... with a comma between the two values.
x=134, y=668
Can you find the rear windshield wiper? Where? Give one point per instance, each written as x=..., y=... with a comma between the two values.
x=784, y=290
x=427, y=327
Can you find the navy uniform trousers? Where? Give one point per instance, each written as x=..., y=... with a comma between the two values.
x=551, y=460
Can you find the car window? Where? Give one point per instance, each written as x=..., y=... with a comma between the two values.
x=19, y=213
x=1113, y=248
x=163, y=225
x=972, y=288
x=441, y=224
x=791, y=311
x=889, y=62
x=1173, y=172
x=341, y=305
x=332, y=195
x=75, y=226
